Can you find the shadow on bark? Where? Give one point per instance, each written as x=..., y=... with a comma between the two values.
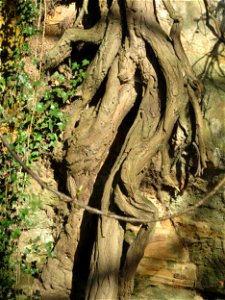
x=89, y=223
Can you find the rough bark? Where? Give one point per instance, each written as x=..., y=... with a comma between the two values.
x=107, y=253
x=133, y=257
x=140, y=73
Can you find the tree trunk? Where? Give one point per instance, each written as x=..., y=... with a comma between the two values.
x=119, y=137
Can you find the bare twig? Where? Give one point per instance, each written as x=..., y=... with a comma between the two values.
x=38, y=28
x=100, y=212
x=43, y=37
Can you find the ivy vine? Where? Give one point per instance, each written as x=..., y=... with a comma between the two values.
x=32, y=118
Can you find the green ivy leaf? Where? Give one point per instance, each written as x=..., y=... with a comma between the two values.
x=16, y=233
x=85, y=62
x=40, y=108
x=75, y=66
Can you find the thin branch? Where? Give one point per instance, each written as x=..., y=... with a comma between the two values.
x=100, y=212
x=23, y=165
x=35, y=99
x=38, y=27
x=209, y=16
x=43, y=37
x=175, y=35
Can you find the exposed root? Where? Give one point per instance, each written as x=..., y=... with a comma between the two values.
x=63, y=47
x=166, y=169
x=84, y=10
x=191, y=78
x=200, y=127
x=133, y=257
x=97, y=70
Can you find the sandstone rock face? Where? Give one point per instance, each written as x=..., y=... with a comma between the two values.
x=169, y=258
